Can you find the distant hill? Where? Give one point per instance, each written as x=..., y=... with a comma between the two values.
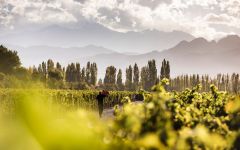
x=36, y=54
x=196, y=56
x=202, y=56
x=96, y=34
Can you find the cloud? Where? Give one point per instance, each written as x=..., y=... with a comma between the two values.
x=153, y=3
x=193, y=16
x=40, y=12
x=231, y=6
x=169, y=15
x=223, y=19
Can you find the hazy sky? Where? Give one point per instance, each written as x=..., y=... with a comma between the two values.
x=208, y=18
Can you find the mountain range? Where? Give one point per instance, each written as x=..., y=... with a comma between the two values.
x=96, y=34
x=195, y=56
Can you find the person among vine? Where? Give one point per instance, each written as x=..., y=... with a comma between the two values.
x=100, y=99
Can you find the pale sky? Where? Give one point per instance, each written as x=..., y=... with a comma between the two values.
x=202, y=18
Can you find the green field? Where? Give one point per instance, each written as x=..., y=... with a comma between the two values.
x=69, y=99
x=166, y=120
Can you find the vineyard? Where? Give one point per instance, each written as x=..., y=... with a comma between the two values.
x=165, y=120
x=69, y=99
x=180, y=120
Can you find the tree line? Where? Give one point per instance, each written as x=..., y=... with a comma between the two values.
x=74, y=76
x=224, y=82
x=136, y=78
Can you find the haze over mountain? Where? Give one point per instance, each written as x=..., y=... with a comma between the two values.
x=34, y=55
x=96, y=34
x=196, y=56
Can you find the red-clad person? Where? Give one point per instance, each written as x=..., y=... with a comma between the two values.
x=100, y=99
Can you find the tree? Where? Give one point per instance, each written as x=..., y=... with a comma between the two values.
x=68, y=74
x=36, y=74
x=129, y=78
x=71, y=73
x=55, y=75
x=120, y=85
x=9, y=60
x=110, y=78
x=168, y=70
x=88, y=73
x=165, y=70
x=152, y=73
x=44, y=69
x=83, y=75
x=59, y=67
x=50, y=65
x=93, y=71
x=235, y=82
x=144, y=78
x=135, y=77
x=78, y=72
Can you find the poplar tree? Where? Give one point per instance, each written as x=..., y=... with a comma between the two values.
x=59, y=67
x=129, y=78
x=93, y=76
x=165, y=70
x=44, y=69
x=135, y=77
x=88, y=73
x=50, y=65
x=83, y=75
x=120, y=85
x=152, y=70
x=110, y=78
x=144, y=78
x=78, y=72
